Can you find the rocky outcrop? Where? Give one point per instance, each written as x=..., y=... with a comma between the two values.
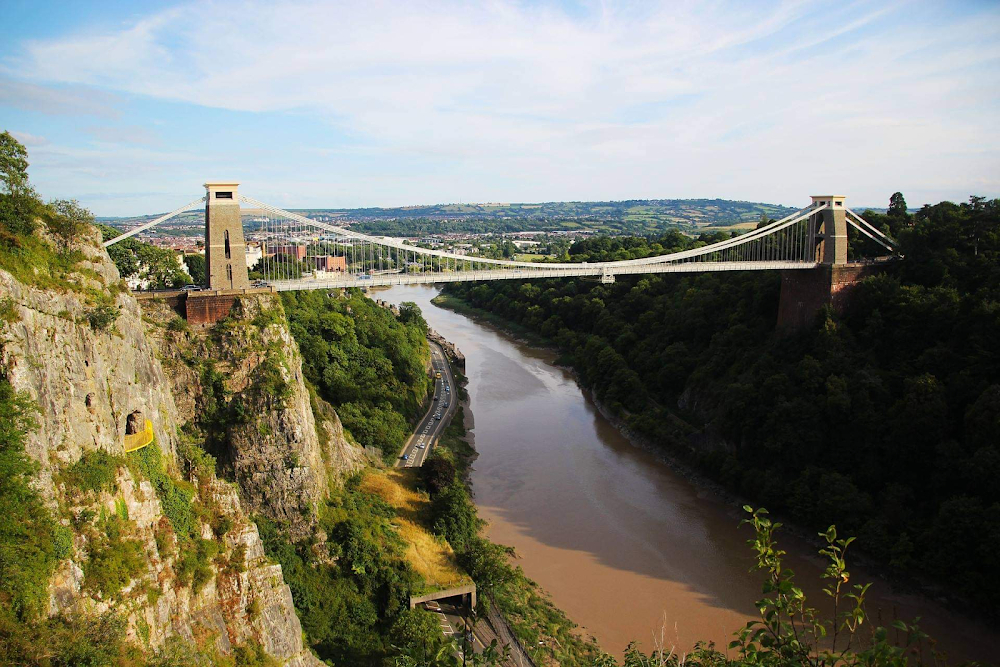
x=85, y=376
x=272, y=448
x=94, y=362
x=245, y=600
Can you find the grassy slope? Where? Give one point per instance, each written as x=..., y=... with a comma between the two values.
x=430, y=556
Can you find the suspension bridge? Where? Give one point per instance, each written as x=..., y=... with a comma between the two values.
x=252, y=245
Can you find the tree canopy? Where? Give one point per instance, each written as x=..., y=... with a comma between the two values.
x=876, y=419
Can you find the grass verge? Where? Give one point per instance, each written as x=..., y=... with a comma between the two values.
x=430, y=556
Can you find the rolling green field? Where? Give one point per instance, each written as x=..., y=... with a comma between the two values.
x=641, y=216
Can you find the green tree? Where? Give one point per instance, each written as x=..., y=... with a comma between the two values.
x=67, y=219
x=144, y=261
x=897, y=205
x=196, y=267
x=18, y=201
x=437, y=473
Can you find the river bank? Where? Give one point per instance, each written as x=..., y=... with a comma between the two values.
x=680, y=465
x=536, y=631
x=626, y=544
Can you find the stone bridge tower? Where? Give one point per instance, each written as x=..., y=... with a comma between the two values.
x=829, y=229
x=805, y=292
x=225, y=249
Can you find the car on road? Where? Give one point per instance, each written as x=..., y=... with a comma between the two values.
x=432, y=606
x=192, y=288
x=435, y=398
x=437, y=416
x=405, y=457
x=421, y=446
x=445, y=405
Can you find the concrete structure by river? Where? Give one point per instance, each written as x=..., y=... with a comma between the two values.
x=626, y=546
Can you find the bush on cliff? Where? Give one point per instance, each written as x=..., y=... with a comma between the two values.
x=27, y=531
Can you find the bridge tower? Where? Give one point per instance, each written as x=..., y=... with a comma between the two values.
x=804, y=293
x=829, y=229
x=225, y=249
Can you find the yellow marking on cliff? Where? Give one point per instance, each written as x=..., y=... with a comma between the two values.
x=140, y=439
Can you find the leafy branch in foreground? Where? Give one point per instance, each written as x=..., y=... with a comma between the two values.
x=789, y=632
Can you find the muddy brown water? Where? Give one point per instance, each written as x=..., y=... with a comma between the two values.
x=626, y=546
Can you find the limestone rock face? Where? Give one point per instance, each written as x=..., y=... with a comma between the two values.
x=86, y=381
x=246, y=600
x=91, y=381
x=282, y=463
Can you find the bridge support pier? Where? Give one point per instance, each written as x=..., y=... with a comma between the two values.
x=805, y=292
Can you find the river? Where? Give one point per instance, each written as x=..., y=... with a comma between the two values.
x=627, y=547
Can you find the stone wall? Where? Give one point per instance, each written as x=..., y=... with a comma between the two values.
x=805, y=291
x=208, y=308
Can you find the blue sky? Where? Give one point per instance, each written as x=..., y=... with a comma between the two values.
x=129, y=107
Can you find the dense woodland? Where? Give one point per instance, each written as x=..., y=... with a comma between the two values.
x=363, y=361
x=885, y=420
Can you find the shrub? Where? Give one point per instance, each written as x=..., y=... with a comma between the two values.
x=102, y=317
x=269, y=316
x=62, y=542
x=114, y=559
x=28, y=543
x=95, y=471
x=80, y=639
x=176, y=499
x=8, y=311
x=177, y=324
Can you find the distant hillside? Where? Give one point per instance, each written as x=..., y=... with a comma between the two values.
x=634, y=216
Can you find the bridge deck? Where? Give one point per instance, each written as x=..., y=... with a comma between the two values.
x=364, y=280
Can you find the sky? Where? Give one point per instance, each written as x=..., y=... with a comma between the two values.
x=129, y=107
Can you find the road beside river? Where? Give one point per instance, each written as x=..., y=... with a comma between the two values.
x=627, y=547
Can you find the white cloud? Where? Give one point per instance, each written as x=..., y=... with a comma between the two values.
x=518, y=102
x=30, y=140
x=61, y=100
x=122, y=134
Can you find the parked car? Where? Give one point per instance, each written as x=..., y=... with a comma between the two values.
x=192, y=288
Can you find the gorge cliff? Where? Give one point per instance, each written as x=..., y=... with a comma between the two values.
x=163, y=539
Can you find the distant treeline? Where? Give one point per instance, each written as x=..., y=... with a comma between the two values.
x=634, y=216
x=885, y=421
x=645, y=216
